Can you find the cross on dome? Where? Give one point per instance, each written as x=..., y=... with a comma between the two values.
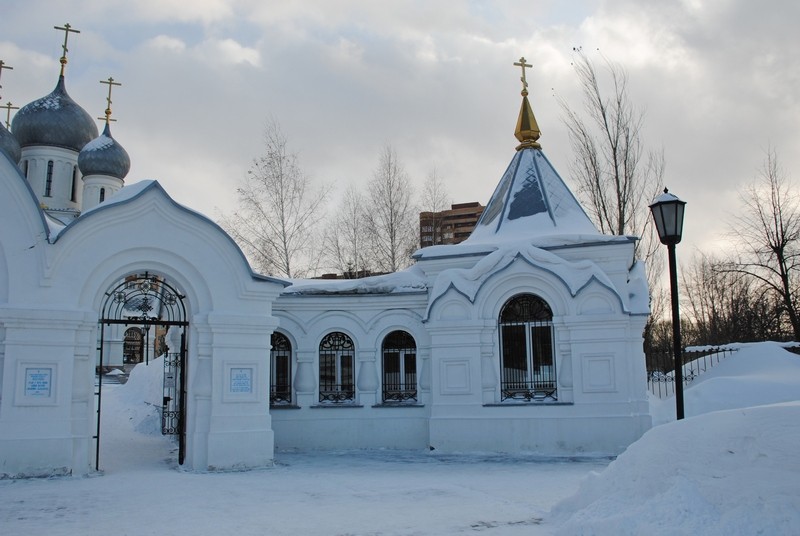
x=9, y=106
x=521, y=63
x=67, y=29
x=110, y=83
x=4, y=66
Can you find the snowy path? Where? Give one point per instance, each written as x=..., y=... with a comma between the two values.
x=366, y=493
x=344, y=493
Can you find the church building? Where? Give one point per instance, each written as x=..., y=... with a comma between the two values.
x=526, y=337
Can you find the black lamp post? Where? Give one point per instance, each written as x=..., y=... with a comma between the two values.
x=667, y=212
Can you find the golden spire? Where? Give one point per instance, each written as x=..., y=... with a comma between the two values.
x=67, y=29
x=527, y=131
x=110, y=83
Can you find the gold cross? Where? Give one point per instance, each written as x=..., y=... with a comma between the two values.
x=110, y=83
x=67, y=29
x=521, y=63
x=4, y=66
x=8, y=106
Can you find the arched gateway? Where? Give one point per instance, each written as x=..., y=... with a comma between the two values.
x=150, y=307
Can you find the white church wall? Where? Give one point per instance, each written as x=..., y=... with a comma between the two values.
x=230, y=322
x=62, y=186
x=92, y=186
x=365, y=422
x=599, y=409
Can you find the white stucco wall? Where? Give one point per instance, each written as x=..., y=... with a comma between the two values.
x=50, y=322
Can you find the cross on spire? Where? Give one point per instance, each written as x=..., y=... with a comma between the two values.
x=67, y=29
x=8, y=106
x=110, y=83
x=4, y=66
x=521, y=63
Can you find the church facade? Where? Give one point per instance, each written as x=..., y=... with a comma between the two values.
x=527, y=337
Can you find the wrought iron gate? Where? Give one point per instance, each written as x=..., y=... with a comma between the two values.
x=149, y=302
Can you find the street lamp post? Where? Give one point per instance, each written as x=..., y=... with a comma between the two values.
x=667, y=212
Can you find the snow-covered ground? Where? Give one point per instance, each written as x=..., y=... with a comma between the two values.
x=730, y=468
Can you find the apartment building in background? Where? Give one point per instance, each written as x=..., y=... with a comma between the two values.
x=449, y=226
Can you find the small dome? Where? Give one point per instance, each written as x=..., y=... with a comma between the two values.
x=55, y=120
x=104, y=156
x=9, y=145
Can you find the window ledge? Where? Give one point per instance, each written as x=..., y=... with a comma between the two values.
x=340, y=405
x=398, y=405
x=517, y=404
x=284, y=406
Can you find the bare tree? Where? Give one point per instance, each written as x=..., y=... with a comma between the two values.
x=278, y=211
x=616, y=178
x=391, y=222
x=767, y=237
x=435, y=199
x=346, y=238
x=724, y=306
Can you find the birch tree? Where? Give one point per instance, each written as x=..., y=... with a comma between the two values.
x=346, y=239
x=435, y=198
x=278, y=211
x=391, y=221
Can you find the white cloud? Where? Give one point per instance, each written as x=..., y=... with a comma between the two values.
x=230, y=51
x=166, y=43
x=204, y=11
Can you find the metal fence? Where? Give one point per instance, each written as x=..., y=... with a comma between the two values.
x=661, y=368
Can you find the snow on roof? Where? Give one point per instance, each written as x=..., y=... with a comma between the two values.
x=531, y=201
x=468, y=281
x=409, y=280
x=99, y=143
x=467, y=249
x=53, y=224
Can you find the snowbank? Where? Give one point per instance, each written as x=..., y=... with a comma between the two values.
x=724, y=471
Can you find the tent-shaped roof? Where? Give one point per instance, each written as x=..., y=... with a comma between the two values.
x=531, y=201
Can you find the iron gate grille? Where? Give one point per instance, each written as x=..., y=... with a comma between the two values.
x=171, y=410
x=147, y=301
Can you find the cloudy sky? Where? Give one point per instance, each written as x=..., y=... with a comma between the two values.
x=718, y=81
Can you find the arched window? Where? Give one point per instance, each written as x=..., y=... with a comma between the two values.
x=526, y=350
x=25, y=168
x=132, y=346
x=280, y=367
x=399, y=367
x=48, y=181
x=336, y=368
x=74, y=187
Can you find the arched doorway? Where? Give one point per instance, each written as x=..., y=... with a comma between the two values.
x=146, y=307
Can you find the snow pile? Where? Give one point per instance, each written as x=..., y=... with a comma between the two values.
x=756, y=374
x=140, y=398
x=733, y=471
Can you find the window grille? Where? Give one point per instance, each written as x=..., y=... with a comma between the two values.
x=280, y=389
x=526, y=350
x=48, y=183
x=399, y=367
x=336, y=368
